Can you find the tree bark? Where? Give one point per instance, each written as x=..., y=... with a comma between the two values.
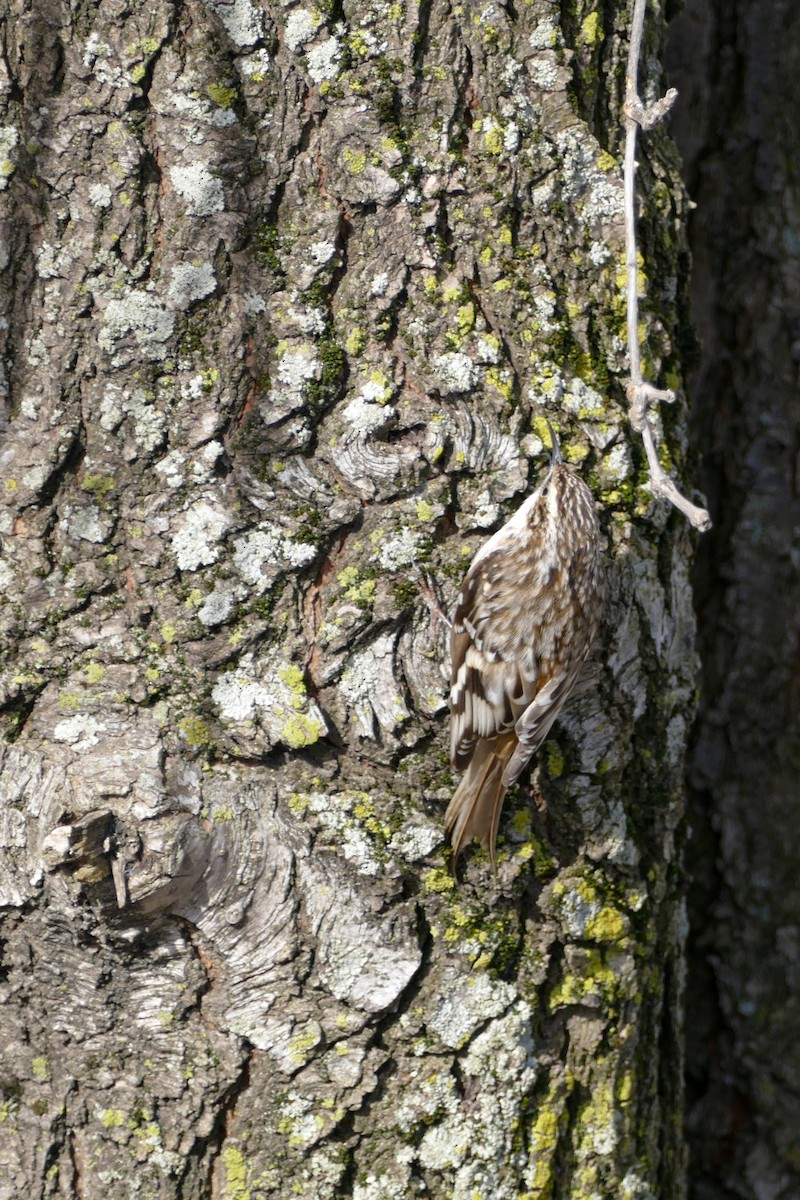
x=289, y=294
x=739, y=80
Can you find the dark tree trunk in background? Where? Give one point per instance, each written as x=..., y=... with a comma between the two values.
x=289, y=292
x=738, y=68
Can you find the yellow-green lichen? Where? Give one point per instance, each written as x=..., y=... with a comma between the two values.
x=591, y=29
x=93, y=672
x=356, y=340
x=41, y=1068
x=424, y=511
x=608, y=925
x=378, y=378
x=195, y=730
x=501, y=380
x=168, y=632
x=465, y=318
x=301, y=730
x=298, y=803
x=357, y=589
x=221, y=95
x=555, y=760
x=356, y=163
x=438, y=880
x=236, y=1174
x=454, y=293
x=112, y=1118
x=98, y=485
x=575, y=452
x=300, y=1047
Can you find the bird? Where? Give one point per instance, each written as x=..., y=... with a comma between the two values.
x=527, y=614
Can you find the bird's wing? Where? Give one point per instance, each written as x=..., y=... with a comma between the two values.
x=535, y=723
x=491, y=682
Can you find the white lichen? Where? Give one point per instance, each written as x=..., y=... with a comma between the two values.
x=322, y=252
x=189, y=283
x=195, y=544
x=400, y=550
x=254, y=303
x=52, y=262
x=366, y=416
x=243, y=20
x=171, y=468
x=544, y=73
x=481, y=1141
x=79, y=731
x=368, y=687
x=296, y=367
x=416, y=840
x=455, y=372
x=137, y=314
x=100, y=195
x=576, y=911
x=593, y=194
x=511, y=137
x=239, y=696
x=323, y=60
x=217, y=606
x=488, y=351
x=85, y=523
x=545, y=35
x=9, y=140
x=268, y=546
x=270, y=694
x=203, y=465
x=149, y=423
x=200, y=188
x=464, y=1005
x=257, y=63
x=301, y=26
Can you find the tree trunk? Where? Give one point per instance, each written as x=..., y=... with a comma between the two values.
x=739, y=76
x=289, y=295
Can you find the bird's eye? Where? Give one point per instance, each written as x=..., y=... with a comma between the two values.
x=544, y=489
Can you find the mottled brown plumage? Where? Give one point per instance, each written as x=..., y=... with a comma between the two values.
x=528, y=611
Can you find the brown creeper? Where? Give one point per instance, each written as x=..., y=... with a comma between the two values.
x=527, y=613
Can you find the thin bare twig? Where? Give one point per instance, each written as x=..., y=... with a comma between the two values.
x=642, y=395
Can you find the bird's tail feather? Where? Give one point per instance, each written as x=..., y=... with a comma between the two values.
x=474, y=811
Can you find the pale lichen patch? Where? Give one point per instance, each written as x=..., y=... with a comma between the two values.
x=190, y=282
x=199, y=187
x=80, y=731
x=268, y=547
x=9, y=140
x=455, y=372
x=243, y=20
x=270, y=695
x=195, y=544
x=464, y=1004
x=140, y=315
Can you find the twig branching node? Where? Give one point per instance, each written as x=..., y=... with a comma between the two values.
x=649, y=115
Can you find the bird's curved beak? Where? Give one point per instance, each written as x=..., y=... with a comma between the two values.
x=555, y=454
